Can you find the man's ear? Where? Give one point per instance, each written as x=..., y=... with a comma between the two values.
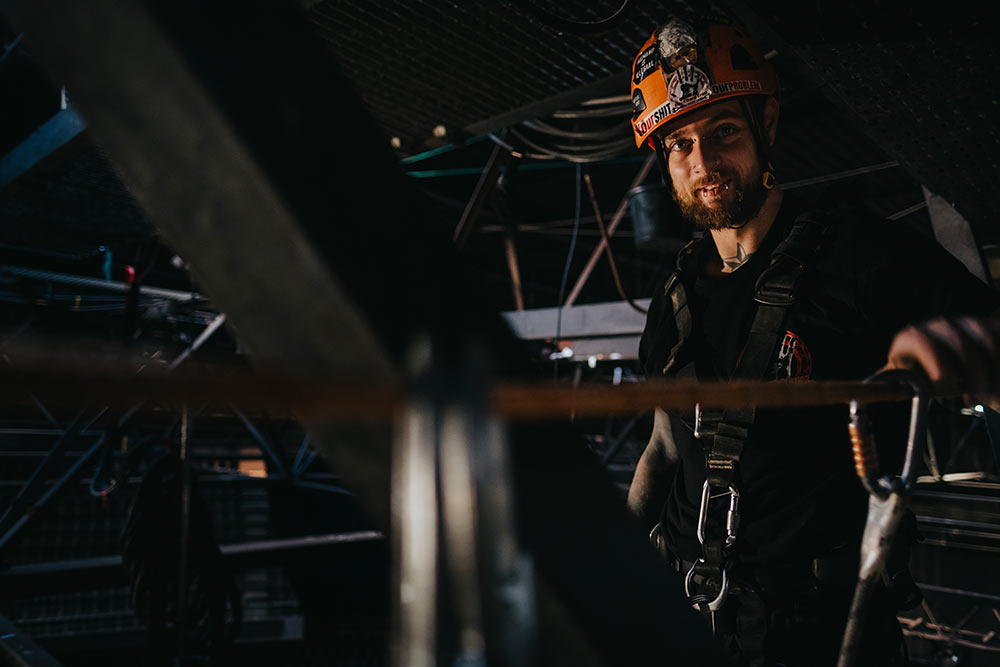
x=771, y=110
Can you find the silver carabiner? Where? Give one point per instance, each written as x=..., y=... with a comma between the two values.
x=720, y=599
x=732, y=514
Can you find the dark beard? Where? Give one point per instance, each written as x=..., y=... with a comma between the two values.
x=748, y=202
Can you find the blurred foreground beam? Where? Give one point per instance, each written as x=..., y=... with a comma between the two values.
x=374, y=401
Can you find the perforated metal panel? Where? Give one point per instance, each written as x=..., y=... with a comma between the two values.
x=427, y=63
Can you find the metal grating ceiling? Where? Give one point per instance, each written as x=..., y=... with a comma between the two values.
x=427, y=63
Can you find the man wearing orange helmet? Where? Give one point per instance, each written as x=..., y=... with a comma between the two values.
x=760, y=510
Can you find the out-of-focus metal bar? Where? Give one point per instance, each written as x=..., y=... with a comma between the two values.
x=639, y=179
x=415, y=542
x=378, y=401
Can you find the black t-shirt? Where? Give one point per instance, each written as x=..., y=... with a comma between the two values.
x=799, y=494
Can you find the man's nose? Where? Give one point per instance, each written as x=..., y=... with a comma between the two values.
x=704, y=157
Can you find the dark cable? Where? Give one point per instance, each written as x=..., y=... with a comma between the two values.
x=618, y=129
x=607, y=248
x=565, y=275
x=602, y=112
x=616, y=145
x=578, y=27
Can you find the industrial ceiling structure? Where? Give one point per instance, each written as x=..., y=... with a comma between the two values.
x=356, y=191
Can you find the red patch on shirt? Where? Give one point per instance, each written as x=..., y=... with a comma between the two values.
x=794, y=360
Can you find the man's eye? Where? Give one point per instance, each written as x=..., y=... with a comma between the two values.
x=726, y=131
x=680, y=145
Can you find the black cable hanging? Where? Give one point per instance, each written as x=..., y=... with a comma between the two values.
x=578, y=27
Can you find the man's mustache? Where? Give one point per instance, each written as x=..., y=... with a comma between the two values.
x=714, y=178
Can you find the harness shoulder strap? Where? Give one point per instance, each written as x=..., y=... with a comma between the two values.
x=675, y=290
x=777, y=288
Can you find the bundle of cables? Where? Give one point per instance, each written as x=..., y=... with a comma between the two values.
x=151, y=557
x=593, y=131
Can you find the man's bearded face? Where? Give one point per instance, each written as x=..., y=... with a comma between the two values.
x=714, y=167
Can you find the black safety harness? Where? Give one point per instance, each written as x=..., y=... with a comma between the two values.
x=723, y=433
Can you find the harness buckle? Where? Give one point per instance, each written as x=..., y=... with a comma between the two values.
x=778, y=283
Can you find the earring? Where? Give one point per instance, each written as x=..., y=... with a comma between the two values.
x=768, y=178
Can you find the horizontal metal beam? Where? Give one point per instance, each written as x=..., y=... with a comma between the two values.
x=97, y=284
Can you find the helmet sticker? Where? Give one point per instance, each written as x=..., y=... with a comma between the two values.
x=645, y=64
x=650, y=121
x=732, y=86
x=673, y=38
x=638, y=103
x=688, y=85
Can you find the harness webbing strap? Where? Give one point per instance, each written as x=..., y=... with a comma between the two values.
x=686, y=261
x=682, y=318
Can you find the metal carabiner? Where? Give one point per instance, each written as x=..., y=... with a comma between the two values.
x=863, y=445
x=732, y=514
x=720, y=599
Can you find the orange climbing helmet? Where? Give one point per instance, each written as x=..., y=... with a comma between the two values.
x=683, y=67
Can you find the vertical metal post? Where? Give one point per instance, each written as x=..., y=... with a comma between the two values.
x=459, y=509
